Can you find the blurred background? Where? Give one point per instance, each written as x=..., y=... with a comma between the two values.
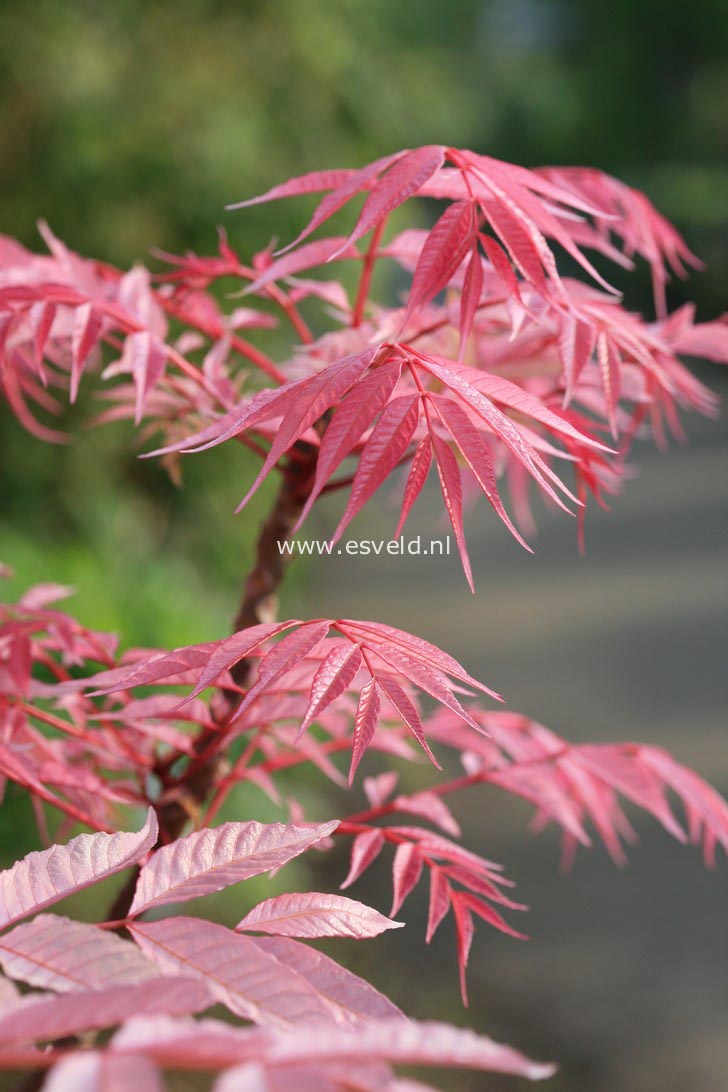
x=131, y=124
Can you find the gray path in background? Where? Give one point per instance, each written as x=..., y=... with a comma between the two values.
x=626, y=978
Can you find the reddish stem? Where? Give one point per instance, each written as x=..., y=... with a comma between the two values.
x=365, y=280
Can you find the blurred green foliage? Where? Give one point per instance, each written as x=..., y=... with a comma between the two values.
x=127, y=124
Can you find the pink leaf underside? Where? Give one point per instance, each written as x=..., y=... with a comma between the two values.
x=44, y=877
x=95, y=1072
x=312, y=914
x=212, y=859
x=41, y=1018
x=399, y=1041
x=268, y=980
x=55, y=953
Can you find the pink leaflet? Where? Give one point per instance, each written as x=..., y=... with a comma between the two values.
x=283, y=656
x=92, y=1071
x=502, y=425
x=365, y=723
x=364, y=851
x=499, y=260
x=609, y=362
x=378, y=789
x=232, y=649
x=354, y=1001
x=304, y=258
x=516, y=398
x=337, y=670
x=41, y=316
x=212, y=859
x=452, y=494
x=474, y=449
x=356, y=182
x=419, y=469
x=439, y=901
x=470, y=299
x=181, y=1043
x=407, y=174
x=157, y=667
x=314, y=182
x=36, y=1019
x=388, y=442
x=427, y=678
x=250, y=975
x=377, y=633
x=429, y=806
x=55, y=953
x=406, y=872
x=238, y=974
x=442, y=254
x=576, y=345
x=350, y=420
x=312, y=914
x=323, y=391
x=407, y=711
x=147, y=357
x=44, y=877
